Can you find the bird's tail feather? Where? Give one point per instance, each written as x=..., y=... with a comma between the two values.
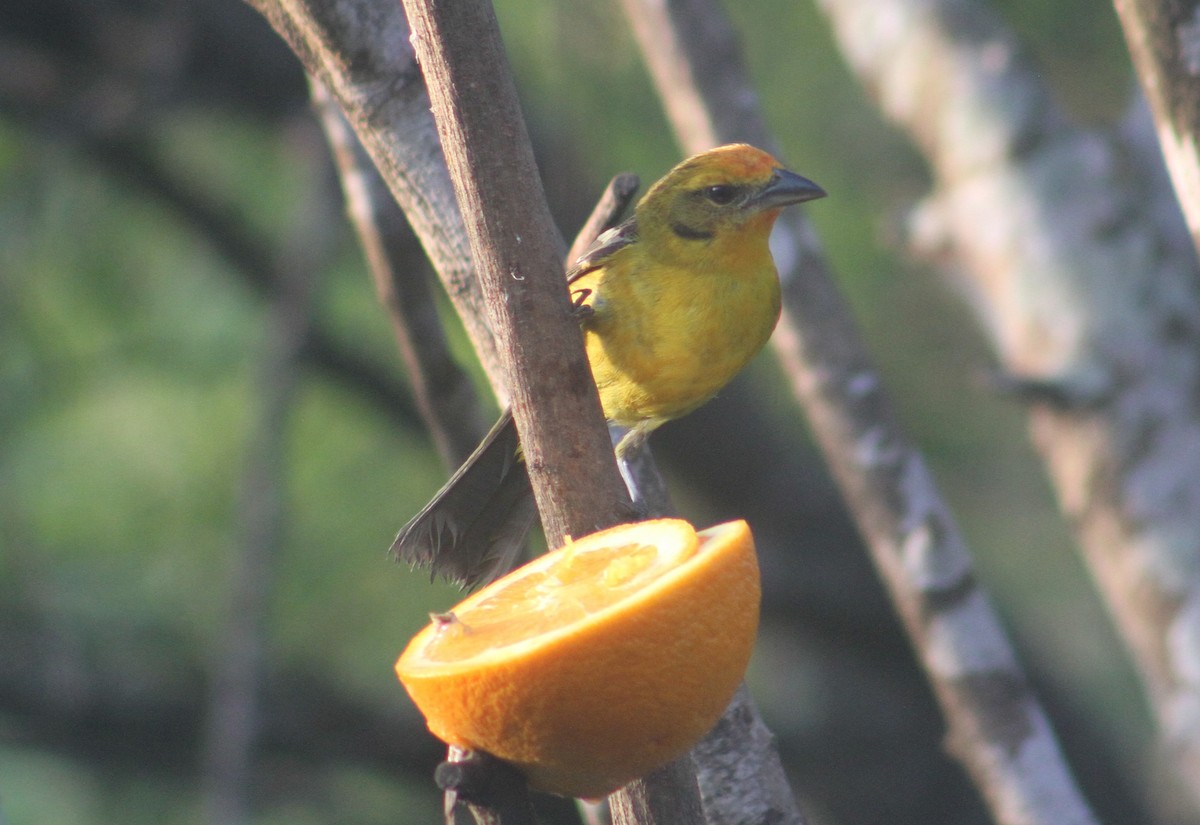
x=476, y=525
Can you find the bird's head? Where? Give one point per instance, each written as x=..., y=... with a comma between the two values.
x=727, y=188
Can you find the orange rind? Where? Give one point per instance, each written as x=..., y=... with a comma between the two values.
x=599, y=662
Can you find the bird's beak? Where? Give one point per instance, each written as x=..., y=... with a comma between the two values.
x=784, y=189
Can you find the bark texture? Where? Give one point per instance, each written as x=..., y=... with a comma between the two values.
x=1087, y=287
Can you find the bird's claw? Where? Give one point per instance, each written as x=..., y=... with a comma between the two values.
x=579, y=309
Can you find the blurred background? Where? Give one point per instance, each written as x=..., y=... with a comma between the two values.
x=161, y=171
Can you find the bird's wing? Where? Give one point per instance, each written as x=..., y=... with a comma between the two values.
x=603, y=248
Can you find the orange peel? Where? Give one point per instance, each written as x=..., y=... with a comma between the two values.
x=596, y=663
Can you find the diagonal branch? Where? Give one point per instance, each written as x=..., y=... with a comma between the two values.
x=606, y=214
x=443, y=392
x=234, y=725
x=360, y=52
x=1089, y=300
x=518, y=255
x=998, y=729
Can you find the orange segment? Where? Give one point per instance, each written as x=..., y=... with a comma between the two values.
x=554, y=592
x=596, y=663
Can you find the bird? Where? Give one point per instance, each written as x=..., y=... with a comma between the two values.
x=673, y=302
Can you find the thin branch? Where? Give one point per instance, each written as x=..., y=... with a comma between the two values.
x=654, y=798
x=1089, y=301
x=668, y=796
x=655, y=500
x=361, y=53
x=380, y=91
x=1164, y=41
x=445, y=397
x=998, y=728
x=234, y=721
x=519, y=256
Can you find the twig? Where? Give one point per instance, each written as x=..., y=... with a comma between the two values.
x=234, y=712
x=639, y=462
x=998, y=729
x=656, y=798
x=1079, y=284
x=668, y=796
x=444, y=394
x=360, y=51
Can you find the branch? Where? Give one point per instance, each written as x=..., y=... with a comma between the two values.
x=445, y=397
x=518, y=256
x=234, y=714
x=667, y=795
x=519, y=259
x=380, y=91
x=360, y=52
x=1087, y=298
x=1164, y=41
x=998, y=729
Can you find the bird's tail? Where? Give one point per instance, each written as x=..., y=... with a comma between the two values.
x=476, y=525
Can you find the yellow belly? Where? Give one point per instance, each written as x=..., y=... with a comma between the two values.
x=661, y=347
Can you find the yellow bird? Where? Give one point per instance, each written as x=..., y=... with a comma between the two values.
x=673, y=303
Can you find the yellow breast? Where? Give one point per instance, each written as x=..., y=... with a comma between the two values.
x=663, y=339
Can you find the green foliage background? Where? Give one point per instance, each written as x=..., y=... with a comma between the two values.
x=128, y=388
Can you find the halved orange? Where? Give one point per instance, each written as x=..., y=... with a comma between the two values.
x=599, y=662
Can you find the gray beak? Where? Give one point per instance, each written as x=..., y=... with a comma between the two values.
x=786, y=188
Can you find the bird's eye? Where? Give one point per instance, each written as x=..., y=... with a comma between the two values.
x=721, y=194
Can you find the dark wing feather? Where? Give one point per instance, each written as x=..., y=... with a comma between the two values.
x=476, y=524
x=604, y=247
